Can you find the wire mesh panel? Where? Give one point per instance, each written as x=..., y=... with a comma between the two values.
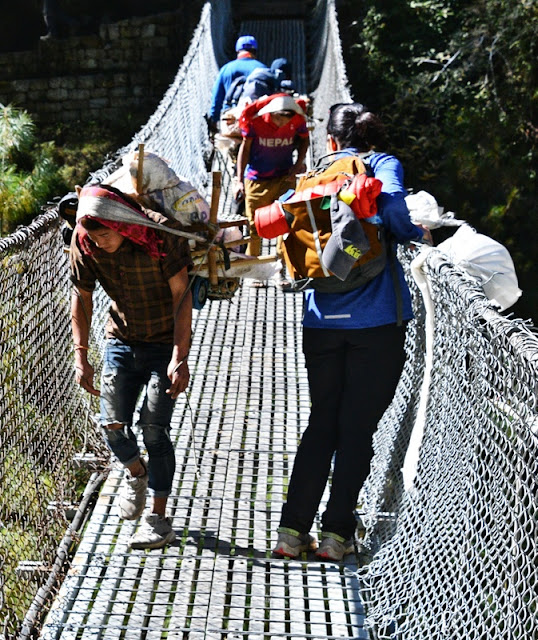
x=48, y=435
x=45, y=426
x=279, y=38
x=461, y=557
x=328, y=79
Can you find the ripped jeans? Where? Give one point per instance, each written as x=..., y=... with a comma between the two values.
x=127, y=369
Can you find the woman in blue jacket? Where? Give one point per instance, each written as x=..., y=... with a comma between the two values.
x=353, y=344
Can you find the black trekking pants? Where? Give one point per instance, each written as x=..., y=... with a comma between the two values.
x=352, y=376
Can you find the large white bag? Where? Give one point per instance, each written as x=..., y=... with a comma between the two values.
x=485, y=259
x=423, y=209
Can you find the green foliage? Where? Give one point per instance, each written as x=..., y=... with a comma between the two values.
x=16, y=132
x=27, y=170
x=456, y=84
x=37, y=165
x=25, y=494
x=82, y=147
x=17, y=544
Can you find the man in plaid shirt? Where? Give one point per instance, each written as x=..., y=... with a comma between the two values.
x=143, y=269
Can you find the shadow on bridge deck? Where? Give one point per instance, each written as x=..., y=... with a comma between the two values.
x=235, y=440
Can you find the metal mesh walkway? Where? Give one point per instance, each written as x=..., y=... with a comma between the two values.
x=235, y=441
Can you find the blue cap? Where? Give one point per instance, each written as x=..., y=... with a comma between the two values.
x=246, y=42
x=284, y=65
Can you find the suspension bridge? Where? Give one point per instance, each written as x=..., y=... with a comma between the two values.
x=452, y=553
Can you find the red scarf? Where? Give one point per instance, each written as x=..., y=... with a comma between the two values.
x=95, y=202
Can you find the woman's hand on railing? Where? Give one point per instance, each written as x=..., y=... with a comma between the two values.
x=427, y=235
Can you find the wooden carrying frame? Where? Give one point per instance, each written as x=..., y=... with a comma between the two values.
x=213, y=261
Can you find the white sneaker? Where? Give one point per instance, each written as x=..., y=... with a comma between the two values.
x=155, y=532
x=132, y=499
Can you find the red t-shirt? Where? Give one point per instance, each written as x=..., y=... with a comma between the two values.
x=271, y=153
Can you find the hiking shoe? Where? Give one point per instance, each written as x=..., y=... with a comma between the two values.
x=155, y=532
x=291, y=543
x=334, y=547
x=132, y=499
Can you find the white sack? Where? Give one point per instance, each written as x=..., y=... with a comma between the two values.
x=173, y=194
x=423, y=209
x=244, y=267
x=488, y=261
x=163, y=190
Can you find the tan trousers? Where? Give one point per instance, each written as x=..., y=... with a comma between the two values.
x=259, y=193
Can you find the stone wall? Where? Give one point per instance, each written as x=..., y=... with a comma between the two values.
x=126, y=67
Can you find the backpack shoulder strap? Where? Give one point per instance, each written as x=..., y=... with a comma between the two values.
x=234, y=92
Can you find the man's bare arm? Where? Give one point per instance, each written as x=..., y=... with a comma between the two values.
x=81, y=317
x=302, y=148
x=243, y=157
x=178, y=368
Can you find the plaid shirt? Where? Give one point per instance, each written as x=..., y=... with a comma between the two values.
x=141, y=308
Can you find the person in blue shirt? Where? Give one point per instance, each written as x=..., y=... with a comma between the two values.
x=246, y=61
x=353, y=344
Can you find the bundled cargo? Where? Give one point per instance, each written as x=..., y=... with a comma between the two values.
x=217, y=245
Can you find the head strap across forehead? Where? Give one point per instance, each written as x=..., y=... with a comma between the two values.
x=98, y=202
x=114, y=212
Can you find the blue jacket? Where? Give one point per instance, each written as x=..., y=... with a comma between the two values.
x=373, y=304
x=227, y=74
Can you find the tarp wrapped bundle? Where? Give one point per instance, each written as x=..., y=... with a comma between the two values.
x=155, y=185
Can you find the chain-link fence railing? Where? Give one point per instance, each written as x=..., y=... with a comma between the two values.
x=454, y=535
x=453, y=538
x=328, y=73
x=49, y=443
x=47, y=436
